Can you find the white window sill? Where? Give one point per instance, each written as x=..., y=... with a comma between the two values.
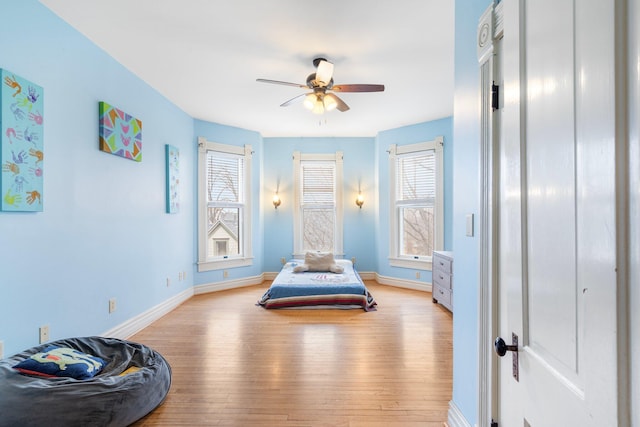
x=224, y=263
x=415, y=264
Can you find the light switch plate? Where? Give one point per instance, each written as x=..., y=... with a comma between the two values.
x=470, y=225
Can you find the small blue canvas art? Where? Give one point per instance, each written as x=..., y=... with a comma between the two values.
x=173, y=179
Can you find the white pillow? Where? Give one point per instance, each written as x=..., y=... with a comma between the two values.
x=319, y=261
x=300, y=268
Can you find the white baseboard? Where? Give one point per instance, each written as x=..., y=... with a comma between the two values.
x=141, y=321
x=228, y=284
x=403, y=283
x=456, y=419
x=270, y=275
x=367, y=275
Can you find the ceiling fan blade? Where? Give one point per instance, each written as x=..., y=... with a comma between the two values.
x=324, y=72
x=292, y=100
x=278, y=82
x=358, y=88
x=340, y=104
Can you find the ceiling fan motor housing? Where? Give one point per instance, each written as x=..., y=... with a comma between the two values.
x=315, y=84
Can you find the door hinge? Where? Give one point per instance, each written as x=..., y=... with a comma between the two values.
x=495, y=96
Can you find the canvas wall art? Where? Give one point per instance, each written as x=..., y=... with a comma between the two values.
x=173, y=179
x=120, y=133
x=21, y=144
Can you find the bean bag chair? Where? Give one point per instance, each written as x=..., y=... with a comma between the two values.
x=90, y=381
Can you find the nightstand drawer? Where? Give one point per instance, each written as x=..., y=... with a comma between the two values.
x=442, y=295
x=442, y=264
x=442, y=279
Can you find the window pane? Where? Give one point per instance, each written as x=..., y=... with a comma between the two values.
x=225, y=174
x=417, y=176
x=318, y=229
x=223, y=231
x=417, y=231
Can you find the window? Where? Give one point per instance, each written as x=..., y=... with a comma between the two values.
x=318, y=203
x=224, y=208
x=417, y=225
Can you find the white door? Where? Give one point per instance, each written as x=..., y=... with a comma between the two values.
x=557, y=215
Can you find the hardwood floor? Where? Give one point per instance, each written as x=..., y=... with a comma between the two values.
x=237, y=364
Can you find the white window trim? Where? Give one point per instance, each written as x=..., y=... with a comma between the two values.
x=246, y=258
x=297, y=216
x=421, y=263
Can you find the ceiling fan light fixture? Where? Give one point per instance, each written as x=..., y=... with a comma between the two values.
x=330, y=103
x=322, y=98
x=318, y=107
x=324, y=72
x=310, y=101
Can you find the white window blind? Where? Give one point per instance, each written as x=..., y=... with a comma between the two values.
x=417, y=177
x=225, y=177
x=318, y=183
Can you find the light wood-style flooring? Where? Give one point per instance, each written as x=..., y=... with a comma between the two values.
x=237, y=364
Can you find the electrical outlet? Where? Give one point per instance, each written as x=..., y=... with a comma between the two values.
x=112, y=305
x=225, y=274
x=184, y=275
x=168, y=282
x=44, y=334
x=353, y=260
x=417, y=274
x=179, y=276
x=283, y=261
x=1, y=349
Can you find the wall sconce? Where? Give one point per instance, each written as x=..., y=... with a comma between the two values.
x=276, y=201
x=360, y=200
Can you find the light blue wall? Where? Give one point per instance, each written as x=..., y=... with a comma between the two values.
x=466, y=133
x=359, y=231
x=402, y=136
x=103, y=232
x=239, y=137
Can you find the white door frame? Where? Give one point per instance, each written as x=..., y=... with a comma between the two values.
x=490, y=29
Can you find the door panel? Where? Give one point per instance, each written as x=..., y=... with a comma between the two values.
x=551, y=297
x=557, y=228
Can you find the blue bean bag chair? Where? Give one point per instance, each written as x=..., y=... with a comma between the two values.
x=91, y=381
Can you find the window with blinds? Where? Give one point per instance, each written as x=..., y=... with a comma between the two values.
x=318, y=213
x=224, y=205
x=416, y=203
x=318, y=205
x=416, y=196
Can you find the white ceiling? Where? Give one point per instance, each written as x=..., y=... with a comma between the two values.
x=205, y=56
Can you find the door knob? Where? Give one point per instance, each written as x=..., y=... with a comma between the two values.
x=501, y=347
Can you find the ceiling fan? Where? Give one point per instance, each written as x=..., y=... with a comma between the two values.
x=321, y=83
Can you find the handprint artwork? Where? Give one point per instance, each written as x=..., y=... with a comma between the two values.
x=13, y=84
x=21, y=144
x=33, y=196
